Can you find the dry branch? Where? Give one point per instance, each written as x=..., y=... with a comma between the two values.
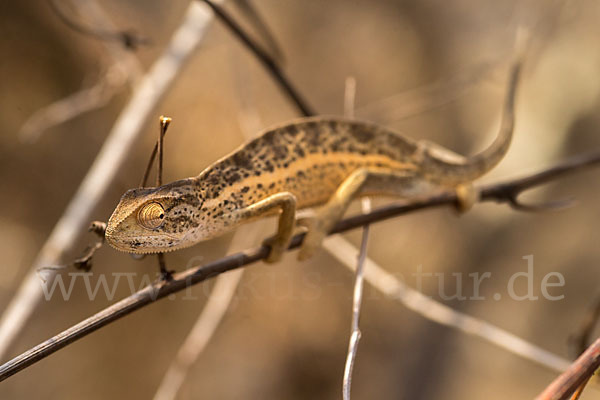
x=395, y=289
x=355, y=333
x=267, y=61
x=577, y=374
x=506, y=192
x=124, y=69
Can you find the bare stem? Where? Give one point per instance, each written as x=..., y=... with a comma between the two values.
x=264, y=58
x=355, y=333
x=574, y=377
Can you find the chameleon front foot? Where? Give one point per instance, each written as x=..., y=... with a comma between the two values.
x=277, y=248
x=286, y=203
x=278, y=245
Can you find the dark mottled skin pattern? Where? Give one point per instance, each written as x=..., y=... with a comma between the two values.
x=281, y=148
x=309, y=158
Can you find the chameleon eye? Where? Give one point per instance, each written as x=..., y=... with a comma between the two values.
x=151, y=216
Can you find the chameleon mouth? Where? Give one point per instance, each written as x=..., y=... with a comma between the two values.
x=137, y=245
x=130, y=250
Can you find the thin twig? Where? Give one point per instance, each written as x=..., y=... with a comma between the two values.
x=255, y=18
x=580, y=371
x=440, y=313
x=496, y=192
x=264, y=58
x=349, y=97
x=581, y=338
x=150, y=163
x=222, y=293
x=124, y=69
x=127, y=38
x=74, y=104
x=122, y=137
x=355, y=333
x=164, y=125
x=429, y=96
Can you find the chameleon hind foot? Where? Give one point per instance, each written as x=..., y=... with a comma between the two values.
x=467, y=196
x=316, y=229
x=359, y=181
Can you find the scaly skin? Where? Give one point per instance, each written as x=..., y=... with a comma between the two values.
x=306, y=163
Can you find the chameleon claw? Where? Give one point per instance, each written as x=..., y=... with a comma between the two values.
x=276, y=249
x=315, y=233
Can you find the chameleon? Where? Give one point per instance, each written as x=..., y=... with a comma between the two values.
x=321, y=163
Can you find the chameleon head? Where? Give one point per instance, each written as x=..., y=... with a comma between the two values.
x=152, y=220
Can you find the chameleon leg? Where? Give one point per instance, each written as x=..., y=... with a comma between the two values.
x=360, y=181
x=466, y=192
x=286, y=202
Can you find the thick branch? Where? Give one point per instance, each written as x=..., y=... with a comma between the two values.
x=577, y=374
x=501, y=192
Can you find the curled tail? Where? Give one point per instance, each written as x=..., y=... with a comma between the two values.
x=477, y=165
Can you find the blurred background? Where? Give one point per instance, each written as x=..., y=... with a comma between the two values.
x=430, y=69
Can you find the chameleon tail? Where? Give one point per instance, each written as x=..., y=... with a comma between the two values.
x=450, y=171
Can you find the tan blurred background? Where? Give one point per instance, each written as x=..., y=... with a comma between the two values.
x=286, y=334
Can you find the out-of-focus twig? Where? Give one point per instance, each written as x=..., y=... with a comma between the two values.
x=264, y=58
x=349, y=97
x=158, y=290
x=575, y=376
x=581, y=338
x=258, y=22
x=73, y=105
x=355, y=333
x=429, y=96
x=124, y=68
x=434, y=311
x=122, y=137
x=127, y=38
